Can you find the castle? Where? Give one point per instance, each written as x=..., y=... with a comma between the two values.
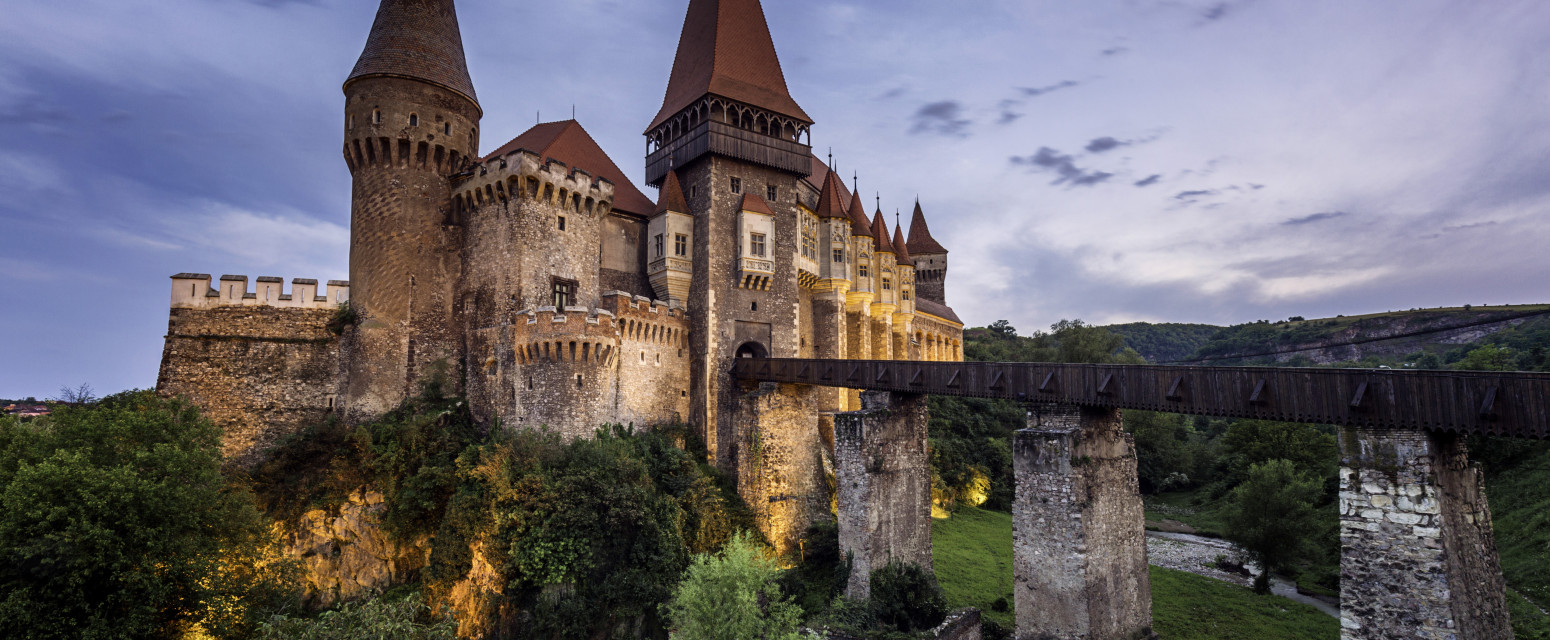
x=545, y=287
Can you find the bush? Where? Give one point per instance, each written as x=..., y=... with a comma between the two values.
x=381, y=618
x=906, y=598
x=733, y=596
x=115, y=521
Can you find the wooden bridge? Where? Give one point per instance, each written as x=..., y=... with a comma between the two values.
x=1510, y=404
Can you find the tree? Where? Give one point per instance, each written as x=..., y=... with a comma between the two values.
x=1248, y=442
x=79, y=394
x=1272, y=517
x=1488, y=357
x=115, y=522
x=734, y=596
x=379, y=618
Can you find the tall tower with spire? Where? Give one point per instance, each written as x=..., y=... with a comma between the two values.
x=930, y=259
x=730, y=131
x=411, y=121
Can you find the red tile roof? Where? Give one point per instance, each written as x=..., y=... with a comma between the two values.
x=858, y=224
x=756, y=204
x=899, y=248
x=880, y=233
x=725, y=49
x=416, y=39
x=942, y=311
x=671, y=197
x=569, y=143
x=816, y=176
x=829, y=203
x=921, y=241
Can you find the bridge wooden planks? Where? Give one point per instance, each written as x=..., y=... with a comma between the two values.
x=1514, y=404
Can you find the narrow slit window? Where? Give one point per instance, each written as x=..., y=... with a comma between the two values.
x=562, y=223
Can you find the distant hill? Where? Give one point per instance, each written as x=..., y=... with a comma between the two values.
x=1165, y=341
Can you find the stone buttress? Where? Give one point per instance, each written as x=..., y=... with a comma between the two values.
x=883, y=473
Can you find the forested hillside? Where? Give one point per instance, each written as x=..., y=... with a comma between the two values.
x=1165, y=341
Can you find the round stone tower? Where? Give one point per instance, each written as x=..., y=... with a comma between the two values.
x=411, y=121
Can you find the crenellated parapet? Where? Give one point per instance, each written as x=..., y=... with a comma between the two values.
x=196, y=291
x=523, y=175
x=571, y=335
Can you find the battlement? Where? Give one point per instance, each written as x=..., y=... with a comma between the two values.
x=194, y=291
x=523, y=175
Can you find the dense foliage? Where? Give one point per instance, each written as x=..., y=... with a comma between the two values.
x=1272, y=517
x=733, y=596
x=116, y=522
x=1165, y=341
x=405, y=617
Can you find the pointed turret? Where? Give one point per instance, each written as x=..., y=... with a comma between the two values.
x=921, y=242
x=726, y=50
x=672, y=196
x=417, y=39
x=880, y=233
x=858, y=222
x=900, y=249
x=829, y=203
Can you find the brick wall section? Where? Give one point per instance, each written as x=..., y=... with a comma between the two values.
x=780, y=460
x=259, y=372
x=1078, y=537
x=883, y=474
x=1417, y=556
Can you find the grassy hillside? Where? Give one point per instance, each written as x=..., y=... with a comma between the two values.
x=972, y=556
x=1165, y=341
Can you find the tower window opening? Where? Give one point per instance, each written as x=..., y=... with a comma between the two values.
x=887, y=285
x=839, y=255
x=660, y=245
x=376, y=116
x=414, y=120
x=562, y=223
x=446, y=128
x=756, y=244
x=564, y=293
x=694, y=191
x=737, y=185
x=771, y=193
x=680, y=245
x=862, y=270
x=754, y=307
x=578, y=381
x=349, y=121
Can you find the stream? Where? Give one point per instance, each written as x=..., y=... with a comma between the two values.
x=1197, y=555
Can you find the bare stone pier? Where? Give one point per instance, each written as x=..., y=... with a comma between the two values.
x=884, y=477
x=1417, y=559
x=1078, y=529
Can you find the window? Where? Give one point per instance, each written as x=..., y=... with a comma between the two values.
x=905, y=294
x=659, y=243
x=861, y=269
x=562, y=223
x=349, y=121
x=770, y=192
x=680, y=245
x=756, y=244
x=754, y=307
x=564, y=293
x=376, y=116
x=446, y=128
x=737, y=185
x=887, y=285
x=839, y=255
x=694, y=191
x=414, y=120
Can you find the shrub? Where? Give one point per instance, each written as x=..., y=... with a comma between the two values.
x=381, y=618
x=906, y=598
x=733, y=596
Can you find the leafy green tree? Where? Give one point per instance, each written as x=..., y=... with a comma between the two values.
x=1272, y=517
x=906, y=598
x=733, y=596
x=1308, y=447
x=1488, y=357
x=381, y=618
x=115, y=522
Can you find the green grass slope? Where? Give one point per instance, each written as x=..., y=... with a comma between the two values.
x=972, y=556
x=1164, y=341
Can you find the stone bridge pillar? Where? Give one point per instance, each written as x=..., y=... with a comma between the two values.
x=884, y=478
x=778, y=454
x=1078, y=529
x=1417, y=558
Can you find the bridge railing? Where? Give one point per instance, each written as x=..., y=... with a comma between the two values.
x=1513, y=404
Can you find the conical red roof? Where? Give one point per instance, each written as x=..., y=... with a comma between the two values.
x=921, y=241
x=416, y=39
x=829, y=203
x=899, y=248
x=858, y=224
x=880, y=233
x=672, y=196
x=726, y=50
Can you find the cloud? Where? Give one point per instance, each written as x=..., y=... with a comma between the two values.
x=1473, y=225
x=1215, y=12
x=1033, y=92
x=1113, y=51
x=1008, y=117
x=1106, y=143
x=892, y=93
x=944, y=117
x=1308, y=219
x=1047, y=159
x=1149, y=180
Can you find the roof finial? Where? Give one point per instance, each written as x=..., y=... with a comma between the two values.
x=831, y=157
x=573, y=111
x=879, y=201
x=855, y=182
x=538, y=117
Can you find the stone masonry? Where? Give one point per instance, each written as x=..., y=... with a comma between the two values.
x=1417, y=558
x=884, y=475
x=1078, y=535
x=779, y=458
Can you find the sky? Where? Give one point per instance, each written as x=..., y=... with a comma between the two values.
x=1109, y=160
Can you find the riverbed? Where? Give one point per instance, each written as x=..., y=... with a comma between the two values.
x=1198, y=555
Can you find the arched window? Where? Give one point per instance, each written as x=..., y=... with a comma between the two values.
x=414, y=120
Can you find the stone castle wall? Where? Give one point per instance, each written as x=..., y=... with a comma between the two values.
x=883, y=476
x=260, y=372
